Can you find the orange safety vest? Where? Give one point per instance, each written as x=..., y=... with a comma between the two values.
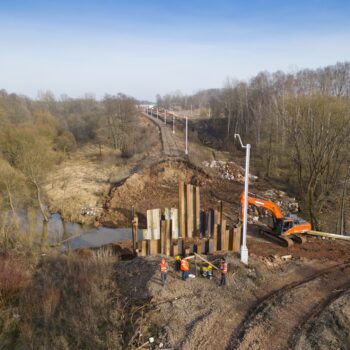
x=184, y=265
x=223, y=267
x=164, y=267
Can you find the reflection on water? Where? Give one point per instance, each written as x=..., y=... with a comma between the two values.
x=57, y=230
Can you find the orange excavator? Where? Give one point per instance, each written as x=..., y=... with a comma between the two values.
x=286, y=229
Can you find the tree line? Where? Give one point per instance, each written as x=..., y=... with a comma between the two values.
x=36, y=134
x=299, y=127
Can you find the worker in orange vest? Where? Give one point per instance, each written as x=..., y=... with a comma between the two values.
x=184, y=266
x=164, y=268
x=223, y=270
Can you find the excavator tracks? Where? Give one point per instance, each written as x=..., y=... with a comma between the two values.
x=299, y=239
x=284, y=241
x=297, y=302
x=281, y=240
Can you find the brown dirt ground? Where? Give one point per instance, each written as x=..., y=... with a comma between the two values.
x=330, y=330
x=157, y=187
x=198, y=314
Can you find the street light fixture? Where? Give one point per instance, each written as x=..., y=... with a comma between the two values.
x=244, y=249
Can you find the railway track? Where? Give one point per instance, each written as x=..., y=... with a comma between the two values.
x=169, y=141
x=275, y=320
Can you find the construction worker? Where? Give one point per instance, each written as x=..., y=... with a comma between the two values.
x=223, y=271
x=177, y=263
x=207, y=272
x=164, y=268
x=184, y=266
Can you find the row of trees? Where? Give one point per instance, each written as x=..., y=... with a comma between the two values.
x=34, y=134
x=299, y=127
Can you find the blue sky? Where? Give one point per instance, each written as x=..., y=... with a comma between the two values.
x=147, y=47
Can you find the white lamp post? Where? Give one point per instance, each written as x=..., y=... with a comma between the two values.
x=186, y=150
x=173, y=123
x=244, y=249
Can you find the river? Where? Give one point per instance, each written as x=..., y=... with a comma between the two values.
x=73, y=235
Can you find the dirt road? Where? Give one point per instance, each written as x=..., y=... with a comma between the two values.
x=272, y=304
x=279, y=317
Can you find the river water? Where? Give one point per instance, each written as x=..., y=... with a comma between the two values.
x=73, y=235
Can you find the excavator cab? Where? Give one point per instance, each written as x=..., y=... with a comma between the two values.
x=283, y=225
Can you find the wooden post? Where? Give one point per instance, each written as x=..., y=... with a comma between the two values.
x=182, y=209
x=189, y=210
x=167, y=237
x=135, y=226
x=181, y=246
x=174, y=223
x=215, y=237
x=203, y=223
x=142, y=247
x=211, y=246
x=148, y=247
x=154, y=246
x=195, y=263
x=156, y=223
x=163, y=228
x=237, y=239
x=149, y=225
x=197, y=211
x=227, y=235
x=230, y=239
x=167, y=213
x=220, y=213
x=174, y=249
x=223, y=234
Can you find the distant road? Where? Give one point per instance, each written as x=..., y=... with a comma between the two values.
x=170, y=141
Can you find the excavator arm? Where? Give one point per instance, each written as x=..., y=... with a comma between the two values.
x=261, y=202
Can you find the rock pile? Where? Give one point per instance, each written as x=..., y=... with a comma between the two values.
x=229, y=170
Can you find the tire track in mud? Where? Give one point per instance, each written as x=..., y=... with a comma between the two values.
x=271, y=321
x=307, y=324
x=190, y=327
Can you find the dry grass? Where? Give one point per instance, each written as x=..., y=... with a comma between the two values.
x=63, y=302
x=85, y=178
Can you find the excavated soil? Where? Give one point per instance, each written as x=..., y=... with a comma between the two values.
x=157, y=187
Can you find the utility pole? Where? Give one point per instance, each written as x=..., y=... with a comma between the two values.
x=157, y=113
x=165, y=118
x=186, y=150
x=173, y=123
x=244, y=249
